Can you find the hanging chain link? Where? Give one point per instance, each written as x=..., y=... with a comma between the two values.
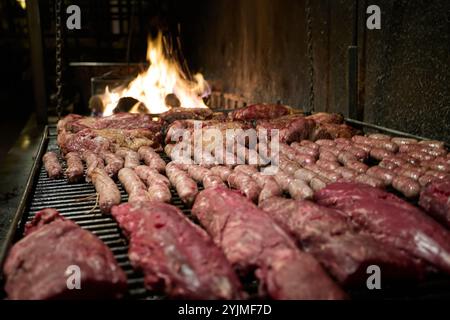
x=58, y=58
x=310, y=54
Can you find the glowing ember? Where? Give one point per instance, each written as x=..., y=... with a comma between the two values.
x=164, y=76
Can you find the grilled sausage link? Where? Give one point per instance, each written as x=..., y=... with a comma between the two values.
x=151, y=175
x=381, y=173
x=407, y=186
x=75, y=169
x=221, y=171
x=131, y=157
x=244, y=183
x=135, y=188
x=300, y=190
x=212, y=181
x=186, y=187
x=113, y=163
x=151, y=158
x=269, y=186
x=370, y=180
x=52, y=166
x=197, y=172
x=92, y=161
x=108, y=193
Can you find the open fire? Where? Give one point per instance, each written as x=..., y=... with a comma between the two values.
x=162, y=82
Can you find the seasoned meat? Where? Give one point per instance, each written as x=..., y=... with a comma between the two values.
x=38, y=266
x=212, y=181
x=291, y=128
x=245, y=184
x=51, y=165
x=186, y=113
x=176, y=256
x=152, y=159
x=254, y=244
x=186, y=187
x=131, y=157
x=93, y=161
x=158, y=185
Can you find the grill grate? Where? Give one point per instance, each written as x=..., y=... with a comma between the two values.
x=77, y=202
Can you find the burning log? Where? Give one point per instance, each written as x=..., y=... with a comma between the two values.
x=125, y=104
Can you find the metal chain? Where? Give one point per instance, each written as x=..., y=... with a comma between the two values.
x=310, y=54
x=58, y=58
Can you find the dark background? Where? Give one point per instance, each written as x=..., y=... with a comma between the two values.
x=253, y=48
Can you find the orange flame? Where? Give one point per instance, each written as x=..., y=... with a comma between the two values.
x=164, y=76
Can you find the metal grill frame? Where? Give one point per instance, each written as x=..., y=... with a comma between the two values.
x=72, y=202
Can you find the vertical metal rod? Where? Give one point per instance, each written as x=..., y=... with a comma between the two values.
x=37, y=60
x=353, y=69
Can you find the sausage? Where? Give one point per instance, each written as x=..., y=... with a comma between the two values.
x=317, y=183
x=333, y=150
x=361, y=140
x=364, y=147
x=287, y=165
x=131, y=157
x=370, y=180
x=346, y=173
x=283, y=180
x=345, y=157
x=212, y=181
x=439, y=166
x=113, y=163
x=197, y=172
x=304, y=174
x=299, y=190
x=244, y=183
x=325, y=142
x=357, y=166
x=134, y=186
x=221, y=171
x=401, y=141
x=384, y=144
x=151, y=158
x=186, y=187
x=305, y=150
x=92, y=161
x=359, y=153
x=108, y=193
x=158, y=191
x=435, y=152
x=329, y=165
x=151, y=176
x=379, y=136
x=247, y=169
x=52, y=166
x=408, y=159
x=420, y=155
x=433, y=143
x=407, y=186
x=426, y=179
x=413, y=173
x=342, y=141
x=327, y=156
x=269, y=187
x=75, y=169
x=388, y=164
x=310, y=144
x=304, y=159
x=379, y=153
x=437, y=174
x=381, y=173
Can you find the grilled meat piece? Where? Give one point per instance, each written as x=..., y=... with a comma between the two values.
x=245, y=184
x=51, y=165
x=390, y=220
x=254, y=244
x=186, y=113
x=131, y=157
x=336, y=243
x=260, y=111
x=324, y=117
x=175, y=255
x=291, y=128
x=39, y=265
x=108, y=193
x=158, y=185
x=92, y=161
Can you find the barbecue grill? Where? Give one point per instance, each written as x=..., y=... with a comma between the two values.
x=78, y=201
